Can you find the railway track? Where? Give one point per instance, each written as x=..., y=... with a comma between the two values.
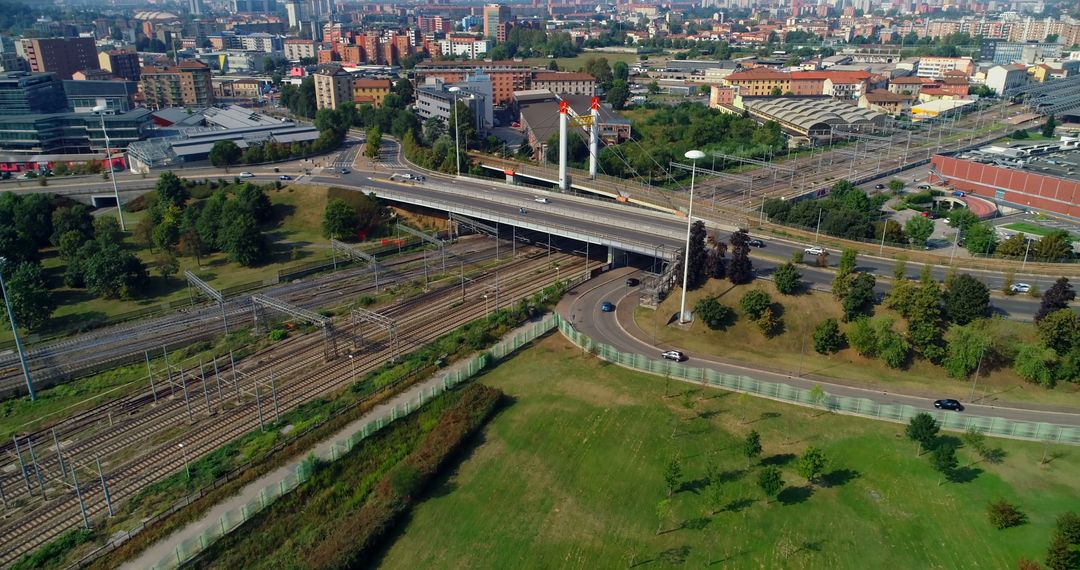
x=75, y=356
x=302, y=375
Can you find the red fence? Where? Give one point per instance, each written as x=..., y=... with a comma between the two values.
x=1024, y=189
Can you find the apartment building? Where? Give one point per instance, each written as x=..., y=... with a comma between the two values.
x=121, y=63
x=494, y=14
x=565, y=83
x=62, y=56
x=184, y=85
x=296, y=49
x=333, y=86
x=935, y=67
x=370, y=91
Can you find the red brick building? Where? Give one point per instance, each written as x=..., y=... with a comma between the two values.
x=1010, y=186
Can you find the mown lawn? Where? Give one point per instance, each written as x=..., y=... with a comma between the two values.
x=571, y=473
x=793, y=349
x=1031, y=229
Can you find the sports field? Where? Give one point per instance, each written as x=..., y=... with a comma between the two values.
x=570, y=475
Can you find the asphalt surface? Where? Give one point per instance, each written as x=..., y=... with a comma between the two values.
x=648, y=227
x=618, y=329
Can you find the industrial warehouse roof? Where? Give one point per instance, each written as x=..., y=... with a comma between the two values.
x=236, y=117
x=817, y=114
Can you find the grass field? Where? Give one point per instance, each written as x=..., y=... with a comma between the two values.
x=1031, y=229
x=793, y=351
x=571, y=473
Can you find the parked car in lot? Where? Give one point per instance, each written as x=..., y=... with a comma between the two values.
x=284, y=177
x=816, y=250
x=246, y=174
x=673, y=355
x=632, y=282
x=541, y=200
x=1020, y=288
x=949, y=404
x=755, y=243
x=607, y=307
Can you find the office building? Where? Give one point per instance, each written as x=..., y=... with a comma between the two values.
x=23, y=93
x=569, y=83
x=184, y=85
x=63, y=56
x=36, y=137
x=116, y=96
x=1002, y=53
x=333, y=86
x=435, y=100
x=195, y=7
x=935, y=67
x=121, y=63
x=505, y=76
x=494, y=14
x=254, y=6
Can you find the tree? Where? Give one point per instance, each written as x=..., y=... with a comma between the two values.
x=16, y=248
x=919, y=229
x=944, y=461
x=770, y=482
x=673, y=475
x=404, y=89
x=663, y=512
x=241, y=238
x=769, y=323
x=339, y=220
x=859, y=294
x=1062, y=555
x=787, y=278
x=848, y=259
x=827, y=337
x=923, y=430
x=1016, y=246
x=740, y=269
x=754, y=303
x=1054, y=246
x=712, y=313
x=862, y=338
x=618, y=94
x=373, y=142
x=751, y=447
x=966, y=299
x=29, y=294
x=1049, y=126
x=77, y=218
x=981, y=239
x=167, y=264
x=1057, y=296
x=962, y=219
x=892, y=348
x=1035, y=363
x=1060, y=330
x=224, y=154
x=1003, y=514
x=1068, y=527
x=812, y=463
x=111, y=272
x=31, y=214
x=966, y=348
x=253, y=199
x=714, y=494
x=620, y=71
x=696, y=276
x=896, y=185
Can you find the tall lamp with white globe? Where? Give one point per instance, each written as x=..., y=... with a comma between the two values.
x=100, y=110
x=694, y=156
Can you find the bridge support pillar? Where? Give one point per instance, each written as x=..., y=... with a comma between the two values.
x=509, y=176
x=564, y=108
x=594, y=135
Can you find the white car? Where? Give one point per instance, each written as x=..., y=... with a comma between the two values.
x=673, y=355
x=1020, y=288
x=541, y=200
x=246, y=174
x=816, y=250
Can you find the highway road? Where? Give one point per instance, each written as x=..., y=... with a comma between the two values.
x=650, y=227
x=582, y=307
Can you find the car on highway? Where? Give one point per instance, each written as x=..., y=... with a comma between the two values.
x=344, y=171
x=632, y=282
x=924, y=186
x=949, y=404
x=755, y=243
x=405, y=176
x=607, y=307
x=816, y=250
x=284, y=177
x=879, y=186
x=541, y=200
x=1020, y=288
x=246, y=174
x=673, y=355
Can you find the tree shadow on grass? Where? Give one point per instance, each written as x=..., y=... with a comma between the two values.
x=738, y=505
x=728, y=558
x=698, y=523
x=965, y=474
x=765, y=416
x=839, y=477
x=694, y=486
x=778, y=460
x=794, y=495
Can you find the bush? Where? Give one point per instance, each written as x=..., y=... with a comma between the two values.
x=787, y=278
x=862, y=338
x=1004, y=515
x=770, y=323
x=827, y=337
x=754, y=303
x=713, y=314
x=278, y=334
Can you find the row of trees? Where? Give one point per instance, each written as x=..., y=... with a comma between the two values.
x=352, y=219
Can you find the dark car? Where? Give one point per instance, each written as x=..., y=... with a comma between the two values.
x=345, y=171
x=607, y=307
x=755, y=243
x=879, y=186
x=949, y=404
x=632, y=282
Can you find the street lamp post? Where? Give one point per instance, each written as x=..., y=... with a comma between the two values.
x=15, y=333
x=694, y=156
x=100, y=110
x=187, y=466
x=457, y=135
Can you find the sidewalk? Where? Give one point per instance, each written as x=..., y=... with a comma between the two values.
x=163, y=548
